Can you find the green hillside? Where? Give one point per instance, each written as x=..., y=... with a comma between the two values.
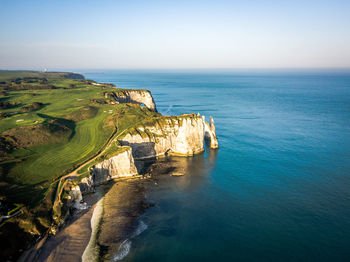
x=49, y=125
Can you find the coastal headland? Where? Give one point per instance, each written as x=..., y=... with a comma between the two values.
x=62, y=136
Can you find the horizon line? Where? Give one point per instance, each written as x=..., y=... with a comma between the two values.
x=53, y=69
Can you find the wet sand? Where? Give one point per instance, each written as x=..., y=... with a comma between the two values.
x=122, y=205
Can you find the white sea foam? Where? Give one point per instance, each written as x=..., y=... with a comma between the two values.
x=142, y=227
x=125, y=246
x=123, y=250
x=91, y=253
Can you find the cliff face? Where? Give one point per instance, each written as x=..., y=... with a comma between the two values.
x=120, y=165
x=75, y=197
x=86, y=185
x=136, y=96
x=210, y=133
x=182, y=135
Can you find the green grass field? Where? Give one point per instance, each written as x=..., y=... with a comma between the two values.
x=91, y=125
x=53, y=160
x=49, y=161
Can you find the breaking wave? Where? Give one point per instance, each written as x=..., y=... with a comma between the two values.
x=125, y=246
x=142, y=227
x=123, y=250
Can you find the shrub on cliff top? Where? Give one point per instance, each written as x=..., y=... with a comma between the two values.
x=32, y=107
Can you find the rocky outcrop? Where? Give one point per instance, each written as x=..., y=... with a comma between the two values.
x=135, y=96
x=87, y=185
x=179, y=135
x=75, y=198
x=210, y=133
x=120, y=165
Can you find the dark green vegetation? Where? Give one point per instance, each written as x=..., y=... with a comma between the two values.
x=51, y=123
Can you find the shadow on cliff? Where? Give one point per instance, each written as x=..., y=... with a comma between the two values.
x=143, y=153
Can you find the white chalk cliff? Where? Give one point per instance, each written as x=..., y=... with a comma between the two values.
x=135, y=96
x=182, y=135
x=210, y=133
x=120, y=165
x=164, y=135
x=75, y=198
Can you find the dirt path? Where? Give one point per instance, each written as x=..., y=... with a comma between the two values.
x=74, y=173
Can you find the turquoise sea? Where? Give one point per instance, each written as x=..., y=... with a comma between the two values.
x=278, y=189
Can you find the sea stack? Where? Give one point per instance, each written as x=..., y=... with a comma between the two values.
x=210, y=133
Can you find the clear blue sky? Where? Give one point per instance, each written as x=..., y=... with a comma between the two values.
x=174, y=34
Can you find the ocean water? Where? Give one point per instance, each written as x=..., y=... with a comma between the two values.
x=278, y=189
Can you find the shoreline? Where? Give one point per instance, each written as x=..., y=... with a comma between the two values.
x=70, y=241
x=89, y=253
x=118, y=201
x=106, y=228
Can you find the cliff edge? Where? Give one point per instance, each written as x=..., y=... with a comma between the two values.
x=167, y=135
